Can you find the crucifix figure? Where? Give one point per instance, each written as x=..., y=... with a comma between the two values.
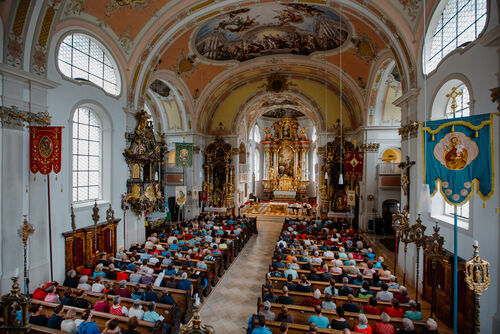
x=405, y=179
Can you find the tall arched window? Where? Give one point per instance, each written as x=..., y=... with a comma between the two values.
x=256, y=164
x=87, y=155
x=460, y=22
x=82, y=58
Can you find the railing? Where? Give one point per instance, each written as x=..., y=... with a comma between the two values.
x=388, y=168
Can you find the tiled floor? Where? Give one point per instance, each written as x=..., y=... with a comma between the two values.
x=234, y=299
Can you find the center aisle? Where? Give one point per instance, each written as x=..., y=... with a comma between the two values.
x=234, y=299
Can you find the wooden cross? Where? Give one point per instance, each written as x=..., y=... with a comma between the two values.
x=405, y=179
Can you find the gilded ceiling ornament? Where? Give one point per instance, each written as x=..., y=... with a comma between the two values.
x=140, y=5
x=364, y=48
x=185, y=64
x=276, y=83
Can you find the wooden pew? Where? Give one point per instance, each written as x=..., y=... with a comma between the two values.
x=301, y=314
x=274, y=326
x=99, y=318
x=307, y=272
x=299, y=297
x=44, y=330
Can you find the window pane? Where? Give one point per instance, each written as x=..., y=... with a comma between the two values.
x=460, y=22
x=80, y=57
x=83, y=194
x=95, y=133
x=93, y=192
x=94, y=163
x=83, y=163
x=75, y=194
x=94, y=148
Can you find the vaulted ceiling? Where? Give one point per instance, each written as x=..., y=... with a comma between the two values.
x=219, y=54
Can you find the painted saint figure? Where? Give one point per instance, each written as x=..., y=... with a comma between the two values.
x=455, y=154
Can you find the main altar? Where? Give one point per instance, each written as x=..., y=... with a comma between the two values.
x=286, y=167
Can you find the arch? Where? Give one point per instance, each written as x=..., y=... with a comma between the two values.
x=391, y=155
x=439, y=99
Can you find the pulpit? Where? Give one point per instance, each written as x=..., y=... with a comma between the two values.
x=85, y=244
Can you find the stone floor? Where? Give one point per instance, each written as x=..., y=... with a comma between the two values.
x=234, y=299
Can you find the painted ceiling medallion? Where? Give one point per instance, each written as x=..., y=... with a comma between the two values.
x=283, y=112
x=268, y=29
x=276, y=83
x=412, y=7
x=364, y=48
x=185, y=64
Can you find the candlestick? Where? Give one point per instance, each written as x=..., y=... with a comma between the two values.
x=16, y=272
x=476, y=243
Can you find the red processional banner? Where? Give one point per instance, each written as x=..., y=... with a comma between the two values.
x=45, y=149
x=354, y=165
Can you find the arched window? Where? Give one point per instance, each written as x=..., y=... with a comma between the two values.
x=460, y=22
x=256, y=165
x=256, y=134
x=82, y=58
x=87, y=155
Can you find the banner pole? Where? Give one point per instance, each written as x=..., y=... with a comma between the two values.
x=50, y=228
x=455, y=270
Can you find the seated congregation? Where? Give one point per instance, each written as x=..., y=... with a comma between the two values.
x=324, y=278
x=148, y=288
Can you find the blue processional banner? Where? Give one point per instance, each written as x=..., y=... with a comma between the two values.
x=459, y=157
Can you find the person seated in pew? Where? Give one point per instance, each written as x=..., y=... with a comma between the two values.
x=122, y=290
x=325, y=276
x=98, y=285
x=52, y=296
x=275, y=272
x=369, y=271
x=376, y=282
x=68, y=324
x=285, y=298
x=394, y=311
x=148, y=278
x=291, y=271
x=313, y=300
x=266, y=312
x=83, y=284
x=131, y=266
x=71, y=281
x=372, y=308
x=102, y=305
x=345, y=290
x=318, y=318
x=270, y=296
x=335, y=269
x=342, y=254
x=350, y=306
x=87, y=326
x=67, y=299
x=384, y=295
x=262, y=329
x=135, y=277
x=392, y=283
x=149, y=295
x=81, y=300
x=185, y=284
x=117, y=308
x=283, y=328
x=402, y=295
x=359, y=280
x=169, y=283
x=345, y=275
x=55, y=320
x=408, y=327
x=122, y=275
x=363, y=326
x=304, y=285
x=329, y=302
x=341, y=322
x=36, y=317
x=112, y=327
x=331, y=289
x=365, y=291
x=202, y=265
x=132, y=324
x=414, y=312
x=166, y=298
x=431, y=327
x=384, y=326
x=170, y=270
x=111, y=274
x=290, y=284
x=371, y=255
x=351, y=269
x=278, y=263
x=99, y=271
x=379, y=263
x=136, y=310
x=284, y=315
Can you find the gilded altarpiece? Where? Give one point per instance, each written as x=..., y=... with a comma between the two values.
x=285, y=160
x=219, y=182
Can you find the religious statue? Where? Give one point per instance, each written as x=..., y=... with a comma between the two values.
x=455, y=154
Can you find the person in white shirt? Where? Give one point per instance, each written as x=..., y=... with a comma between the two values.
x=83, y=283
x=317, y=258
x=136, y=310
x=329, y=254
x=171, y=239
x=153, y=259
x=281, y=243
x=149, y=244
x=294, y=264
x=384, y=295
x=98, y=286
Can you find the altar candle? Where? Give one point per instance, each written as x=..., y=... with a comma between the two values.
x=476, y=243
x=16, y=273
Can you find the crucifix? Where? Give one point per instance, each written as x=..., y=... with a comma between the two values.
x=405, y=179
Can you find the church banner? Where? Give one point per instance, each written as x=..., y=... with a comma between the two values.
x=459, y=157
x=180, y=195
x=45, y=149
x=354, y=165
x=183, y=154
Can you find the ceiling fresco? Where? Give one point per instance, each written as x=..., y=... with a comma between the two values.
x=269, y=29
x=283, y=112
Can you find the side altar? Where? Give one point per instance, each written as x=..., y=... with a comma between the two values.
x=286, y=166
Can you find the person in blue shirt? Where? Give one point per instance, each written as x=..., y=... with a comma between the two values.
x=379, y=263
x=56, y=318
x=88, y=326
x=174, y=247
x=151, y=315
x=184, y=283
x=371, y=255
x=358, y=280
x=166, y=298
x=318, y=318
x=98, y=271
x=170, y=270
x=149, y=295
x=262, y=329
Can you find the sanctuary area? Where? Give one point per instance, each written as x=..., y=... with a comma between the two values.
x=229, y=166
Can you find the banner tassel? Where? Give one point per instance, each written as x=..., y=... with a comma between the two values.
x=484, y=205
x=432, y=137
x=496, y=209
x=453, y=128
